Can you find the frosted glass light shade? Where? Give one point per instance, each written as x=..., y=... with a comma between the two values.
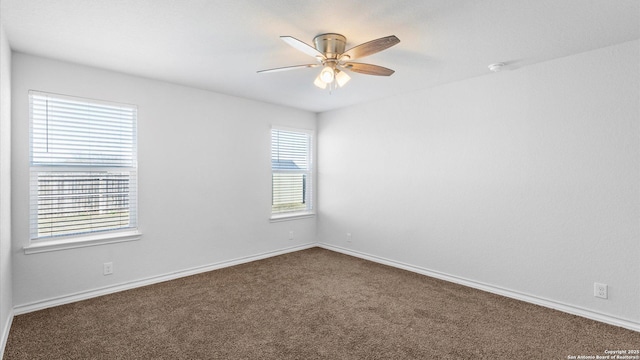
x=342, y=78
x=319, y=83
x=327, y=74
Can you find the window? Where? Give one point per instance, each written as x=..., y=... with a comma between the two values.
x=83, y=166
x=291, y=171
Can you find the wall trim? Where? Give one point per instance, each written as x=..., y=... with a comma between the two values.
x=84, y=295
x=570, y=309
x=5, y=333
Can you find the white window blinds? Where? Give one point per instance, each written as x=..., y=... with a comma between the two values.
x=291, y=171
x=83, y=165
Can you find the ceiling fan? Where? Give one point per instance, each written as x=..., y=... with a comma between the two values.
x=330, y=54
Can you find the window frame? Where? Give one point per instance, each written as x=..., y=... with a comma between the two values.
x=91, y=237
x=310, y=193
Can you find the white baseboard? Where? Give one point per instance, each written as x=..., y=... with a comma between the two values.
x=5, y=334
x=574, y=310
x=83, y=295
x=570, y=309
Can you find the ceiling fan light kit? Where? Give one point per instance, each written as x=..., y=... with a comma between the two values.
x=330, y=54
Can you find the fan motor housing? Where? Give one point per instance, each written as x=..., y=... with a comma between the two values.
x=331, y=45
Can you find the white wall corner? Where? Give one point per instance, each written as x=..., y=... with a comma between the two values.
x=6, y=279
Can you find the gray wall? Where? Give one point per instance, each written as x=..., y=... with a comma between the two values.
x=525, y=181
x=204, y=182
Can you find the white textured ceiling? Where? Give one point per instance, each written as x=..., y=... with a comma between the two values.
x=220, y=44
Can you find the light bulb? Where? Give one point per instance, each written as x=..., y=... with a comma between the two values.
x=327, y=74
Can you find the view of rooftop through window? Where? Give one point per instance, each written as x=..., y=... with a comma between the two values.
x=291, y=171
x=83, y=165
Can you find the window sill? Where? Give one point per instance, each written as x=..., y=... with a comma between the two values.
x=81, y=241
x=291, y=216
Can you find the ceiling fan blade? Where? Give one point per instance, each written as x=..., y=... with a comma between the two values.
x=370, y=47
x=288, y=68
x=368, y=69
x=302, y=46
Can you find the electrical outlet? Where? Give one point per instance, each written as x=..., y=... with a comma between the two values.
x=600, y=290
x=107, y=268
x=348, y=237
x=290, y=235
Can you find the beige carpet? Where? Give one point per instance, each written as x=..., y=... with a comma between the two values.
x=312, y=304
